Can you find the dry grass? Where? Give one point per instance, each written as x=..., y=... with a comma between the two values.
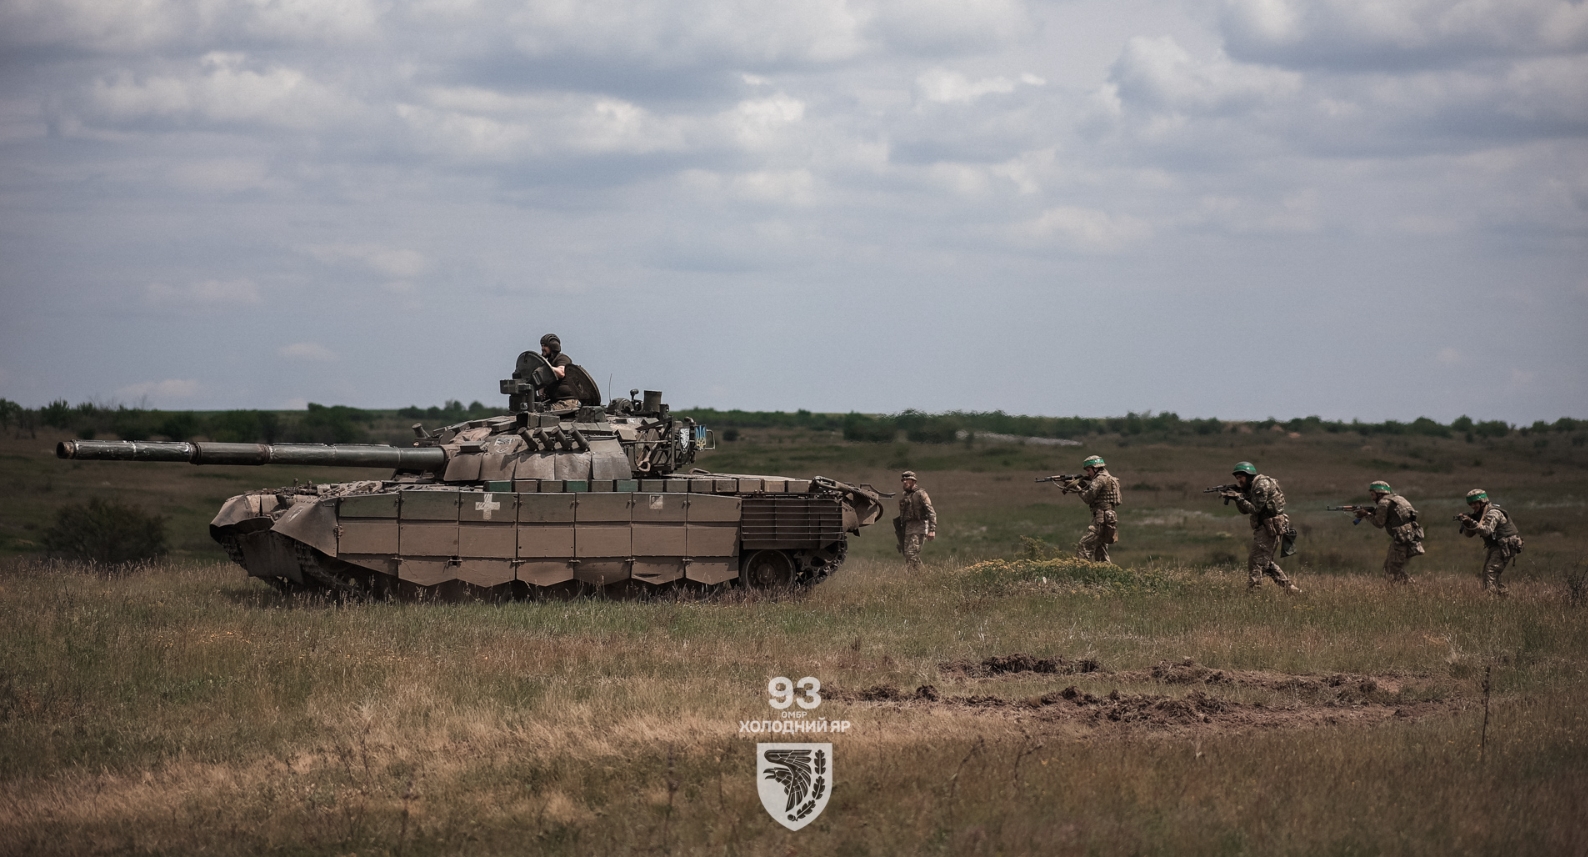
x=184, y=709
x=181, y=708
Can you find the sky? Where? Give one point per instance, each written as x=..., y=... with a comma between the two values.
x=1372, y=209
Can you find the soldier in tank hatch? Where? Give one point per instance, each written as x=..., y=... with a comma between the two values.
x=1259, y=496
x=559, y=396
x=1500, y=537
x=1099, y=490
x=917, y=521
x=1394, y=514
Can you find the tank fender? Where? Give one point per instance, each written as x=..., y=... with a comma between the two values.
x=243, y=507
x=313, y=524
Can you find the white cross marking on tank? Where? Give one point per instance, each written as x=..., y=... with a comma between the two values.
x=486, y=507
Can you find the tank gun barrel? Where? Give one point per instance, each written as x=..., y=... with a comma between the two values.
x=315, y=454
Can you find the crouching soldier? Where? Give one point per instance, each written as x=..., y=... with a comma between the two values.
x=1394, y=514
x=1259, y=496
x=1500, y=537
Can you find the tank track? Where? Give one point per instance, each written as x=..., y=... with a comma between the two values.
x=813, y=567
x=322, y=576
x=233, y=548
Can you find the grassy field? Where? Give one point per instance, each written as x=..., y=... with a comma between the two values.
x=1153, y=708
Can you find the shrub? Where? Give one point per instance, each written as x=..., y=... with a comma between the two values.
x=870, y=429
x=105, y=532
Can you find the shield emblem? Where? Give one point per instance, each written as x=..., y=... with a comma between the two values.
x=795, y=781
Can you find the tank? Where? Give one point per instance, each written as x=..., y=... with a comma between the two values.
x=598, y=498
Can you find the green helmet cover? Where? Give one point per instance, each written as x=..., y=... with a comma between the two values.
x=1477, y=495
x=1245, y=467
x=1380, y=487
x=1094, y=461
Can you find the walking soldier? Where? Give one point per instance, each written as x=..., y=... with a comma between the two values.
x=1099, y=490
x=1500, y=537
x=1394, y=514
x=917, y=521
x=1259, y=496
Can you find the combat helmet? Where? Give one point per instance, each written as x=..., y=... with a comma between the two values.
x=1094, y=461
x=1380, y=486
x=1245, y=467
x=1477, y=495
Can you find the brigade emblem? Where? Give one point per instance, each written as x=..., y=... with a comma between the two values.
x=795, y=781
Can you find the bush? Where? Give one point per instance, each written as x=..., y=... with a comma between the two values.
x=105, y=532
x=330, y=424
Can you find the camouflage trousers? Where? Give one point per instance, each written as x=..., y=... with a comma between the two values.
x=1261, y=560
x=1103, y=532
x=1493, y=564
x=1395, y=561
x=912, y=551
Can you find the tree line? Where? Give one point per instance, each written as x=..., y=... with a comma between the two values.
x=342, y=424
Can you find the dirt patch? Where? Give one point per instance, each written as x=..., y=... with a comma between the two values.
x=1314, y=700
x=1351, y=687
x=1019, y=663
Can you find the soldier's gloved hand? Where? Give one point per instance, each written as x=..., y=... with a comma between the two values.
x=1231, y=495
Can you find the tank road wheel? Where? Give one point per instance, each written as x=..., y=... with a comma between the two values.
x=768, y=569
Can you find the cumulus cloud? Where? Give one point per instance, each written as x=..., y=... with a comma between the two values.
x=215, y=293
x=171, y=388
x=312, y=351
x=398, y=262
x=1362, y=35
x=221, y=88
x=951, y=87
x=1158, y=73
x=1085, y=229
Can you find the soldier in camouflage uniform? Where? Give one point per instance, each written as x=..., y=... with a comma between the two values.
x=1499, y=534
x=1394, y=514
x=1099, y=490
x=917, y=521
x=559, y=397
x=1259, y=496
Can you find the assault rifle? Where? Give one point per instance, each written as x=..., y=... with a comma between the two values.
x=1361, y=510
x=1065, y=481
x=1220, y=489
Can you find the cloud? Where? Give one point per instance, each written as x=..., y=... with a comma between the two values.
x=307, y=351
x=224, y=175
x=212, y=293
x=122, y=28
x=758, y=122
x=222, y=88
x=398, y=262
x=790, y=187
x=1159, y=74
x=171, y=388
x=472, y=124
x=1448, y=356
x=952, y=87
x=1085, y=229
x=1355, y=36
